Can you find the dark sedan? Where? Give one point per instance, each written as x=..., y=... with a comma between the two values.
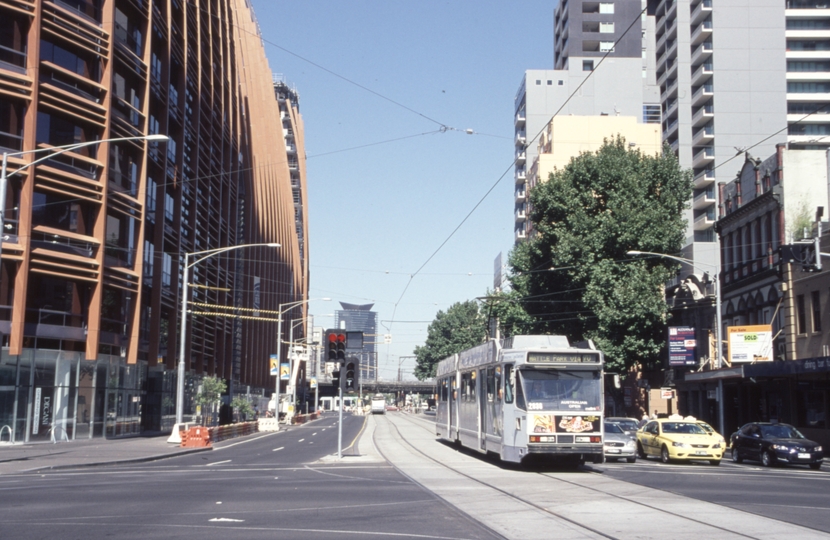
x=773, y=444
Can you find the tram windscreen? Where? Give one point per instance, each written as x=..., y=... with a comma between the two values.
x=561, y=390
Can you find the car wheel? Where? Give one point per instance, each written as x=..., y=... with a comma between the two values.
x=664, y=454
x=641, y=452
x=633, y=459
x=815, y=466
x=714, y=462
x=767, y=459
x=736, y=457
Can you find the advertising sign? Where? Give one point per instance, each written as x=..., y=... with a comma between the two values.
x=284, y=372
x=313, y=383
x=682, y=346
x=548, y=423
x=273, y=363
x=749, y=343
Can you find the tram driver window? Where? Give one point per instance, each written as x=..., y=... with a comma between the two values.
x=491, y=384
x=508, y=383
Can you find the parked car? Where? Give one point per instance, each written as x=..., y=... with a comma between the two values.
x=772, y=444
x=629, y=425
x=617, y=444
x=677, y=439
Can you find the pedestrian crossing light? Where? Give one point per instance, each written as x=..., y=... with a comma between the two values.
x=351, y=376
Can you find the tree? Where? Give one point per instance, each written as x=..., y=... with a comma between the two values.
x=461, y=327
x=243, y=407
x=210, y=394
x=574, y=277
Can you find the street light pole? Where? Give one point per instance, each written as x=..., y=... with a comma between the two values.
x=280, y=311
x=208, y=253
x=4, y=176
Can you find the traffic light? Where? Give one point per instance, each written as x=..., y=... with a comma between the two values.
x=351, y=377
x=336, y=346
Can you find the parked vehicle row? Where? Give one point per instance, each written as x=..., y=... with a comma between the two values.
x=687, y=439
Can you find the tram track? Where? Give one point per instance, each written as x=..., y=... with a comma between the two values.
x=420, y=424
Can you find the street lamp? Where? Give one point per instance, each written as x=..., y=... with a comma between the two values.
x=208, y=253
x=280, y=311
x=718, y=323
x=55, y=151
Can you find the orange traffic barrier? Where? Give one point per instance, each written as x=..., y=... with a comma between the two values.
x=196, y=437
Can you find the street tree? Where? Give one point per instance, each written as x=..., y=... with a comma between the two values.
x=462, y=326
x=574, y=277
x=210, y=394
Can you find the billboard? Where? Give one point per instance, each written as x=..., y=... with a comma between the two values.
x=682, y=346
x=749, y=343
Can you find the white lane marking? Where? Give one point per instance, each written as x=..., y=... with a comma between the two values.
x=277, y=449
x=301, y=440
x=313, y=434
x=227, y=519
x=218, y=463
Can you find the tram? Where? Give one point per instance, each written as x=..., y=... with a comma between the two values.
x=524, y=396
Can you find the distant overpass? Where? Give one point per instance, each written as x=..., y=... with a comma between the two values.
x=389, y=387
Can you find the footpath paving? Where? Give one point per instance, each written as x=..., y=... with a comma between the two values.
x=17, y=458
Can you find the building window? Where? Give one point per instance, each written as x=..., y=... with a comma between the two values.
x=801, y=315
x=606, y=28
x=166, y=269
x=587, y=65
x=550, y=82
x=538, y=82
x=149, y=255
x=606, y=46
x=606, y=7
x=169, y=207
x=816, y=300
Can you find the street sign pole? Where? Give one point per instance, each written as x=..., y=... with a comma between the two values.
x=340, y=424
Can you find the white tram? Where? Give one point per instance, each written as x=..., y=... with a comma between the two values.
x=526, y=395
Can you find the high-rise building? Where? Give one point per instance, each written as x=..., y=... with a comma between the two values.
x=95, y=237
x=361, y=318
x=721, y=67
x=604, y=66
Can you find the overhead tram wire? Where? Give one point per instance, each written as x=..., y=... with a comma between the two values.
x=511, y=166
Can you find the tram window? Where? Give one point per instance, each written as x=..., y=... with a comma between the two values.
x=491, y=384
x=508, y=383
x=444, y=389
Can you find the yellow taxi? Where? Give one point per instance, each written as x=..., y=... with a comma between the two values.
x=676, y=438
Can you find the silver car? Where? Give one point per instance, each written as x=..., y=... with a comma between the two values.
x=618, y=445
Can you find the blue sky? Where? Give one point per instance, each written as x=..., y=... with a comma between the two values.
x=387, y=90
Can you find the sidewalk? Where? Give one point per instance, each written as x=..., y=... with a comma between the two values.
x=17, y=458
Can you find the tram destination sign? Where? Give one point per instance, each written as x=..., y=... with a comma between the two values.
x=562, y=358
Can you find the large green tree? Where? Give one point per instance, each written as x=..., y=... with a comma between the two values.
x=574, y=277
x=462, y=326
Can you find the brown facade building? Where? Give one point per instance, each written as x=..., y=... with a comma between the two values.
x=95, y=236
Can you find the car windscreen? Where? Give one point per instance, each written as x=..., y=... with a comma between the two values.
x=613, y=428
x=627, y=425
x=561, y=390
x=780, y=432
x=683, y=427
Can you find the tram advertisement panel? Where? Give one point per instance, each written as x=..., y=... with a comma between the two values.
x=549, y=423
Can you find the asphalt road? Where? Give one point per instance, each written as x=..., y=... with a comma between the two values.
x=280, y=485
x=792, y=494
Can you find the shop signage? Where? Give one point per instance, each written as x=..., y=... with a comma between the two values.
x=682, y=346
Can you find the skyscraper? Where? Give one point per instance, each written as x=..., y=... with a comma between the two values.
x=92, y=262
x=624, y=84
x=361, y=318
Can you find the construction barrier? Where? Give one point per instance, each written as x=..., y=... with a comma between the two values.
x=303, y=418
x=268, y=424
x=231, y=431
x=195, y=437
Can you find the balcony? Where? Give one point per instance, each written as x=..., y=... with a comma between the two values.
x=705, y=221
x=702, y=74
x=702, y=94
x=521, y=213
x=670, y=71
x=520, y=119
x=671, y=128
x=521, y=234
x=670, y=91
x=703, y=115
x=521, y=138
x=705, y=156
x=521, y=157
x=704, y=199
x=703, y=135
x=702, y=53
x=520, y=195
x=701, y=11
x=521, y=176
x=703, y=32
x=704, y=178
